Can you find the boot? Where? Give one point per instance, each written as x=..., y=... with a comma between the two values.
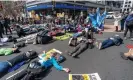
x=116, y=29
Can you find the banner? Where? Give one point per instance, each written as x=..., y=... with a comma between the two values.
x=93, y=76
x=60, y=14
x=33, y=14
x=37, y=17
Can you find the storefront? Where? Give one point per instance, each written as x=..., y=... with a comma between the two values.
x=49, y=9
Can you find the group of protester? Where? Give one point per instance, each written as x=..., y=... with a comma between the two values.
x=82, y=39
x=125, y=22
x=80, y=46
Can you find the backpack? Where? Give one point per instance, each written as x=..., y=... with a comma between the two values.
x=118, y=40
x=34, y=69
x=10, y=39
x=43, y=39
x=129, y=23
x=43, y=33
x=59, y=58
x=19, y=30
x=19, y=45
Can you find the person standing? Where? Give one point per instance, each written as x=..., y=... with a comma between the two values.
x=6, y=24
x=123, y=21
x=1, y=28
x=129, y=24
x=116, y=22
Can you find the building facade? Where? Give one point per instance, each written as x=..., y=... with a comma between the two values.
x=70, y=7
x=88, y=3
x=127, y=6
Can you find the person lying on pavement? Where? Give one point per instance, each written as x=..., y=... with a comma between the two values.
x=82, y=46
x=8, y=51
x=116, y=40
x=39, y=38
x=6, y=65
x=51, y=60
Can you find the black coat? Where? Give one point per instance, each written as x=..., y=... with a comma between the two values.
x=6, y=22
x=1, y=27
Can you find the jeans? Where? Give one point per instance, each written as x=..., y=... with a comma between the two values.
x=131, y=32
x=18, y=59
x=4, y=66
x=107, y=43
x=122, y=25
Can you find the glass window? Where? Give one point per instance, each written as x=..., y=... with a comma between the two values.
x=129, y=1
x=125, y=5
x=128, y=5
x=125, y=9
x=108, y=3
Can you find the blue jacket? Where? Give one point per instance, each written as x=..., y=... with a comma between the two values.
x=129, y=18
x=117, y=40
x=50, y=62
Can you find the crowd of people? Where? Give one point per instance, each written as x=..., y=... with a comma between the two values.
x=125, y=20
x=82, y=39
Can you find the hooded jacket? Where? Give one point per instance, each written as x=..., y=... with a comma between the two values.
x=51, y=61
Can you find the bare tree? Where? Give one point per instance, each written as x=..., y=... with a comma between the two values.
x=12, y=8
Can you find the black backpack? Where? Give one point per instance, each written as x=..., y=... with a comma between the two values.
x=43, y=38
x=34, y=69
x=43, y=33
x=19, y=45
x=10, y=39
x=129, y=23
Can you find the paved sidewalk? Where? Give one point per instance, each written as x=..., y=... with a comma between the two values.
x=110, y=28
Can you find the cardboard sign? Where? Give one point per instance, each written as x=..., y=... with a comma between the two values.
x=47, y=55
x=93, y=76
x=60, y=14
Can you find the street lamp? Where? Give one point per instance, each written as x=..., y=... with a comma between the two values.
x=74, y=8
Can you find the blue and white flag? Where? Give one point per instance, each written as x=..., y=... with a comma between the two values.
x=97, y=19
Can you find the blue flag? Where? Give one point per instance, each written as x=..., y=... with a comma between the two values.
x=97, y=19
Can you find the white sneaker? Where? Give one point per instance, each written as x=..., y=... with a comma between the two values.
x=96, y=44
x=100, y=45
x=125, y=38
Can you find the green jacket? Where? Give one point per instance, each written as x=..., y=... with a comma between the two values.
x=6, y=51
